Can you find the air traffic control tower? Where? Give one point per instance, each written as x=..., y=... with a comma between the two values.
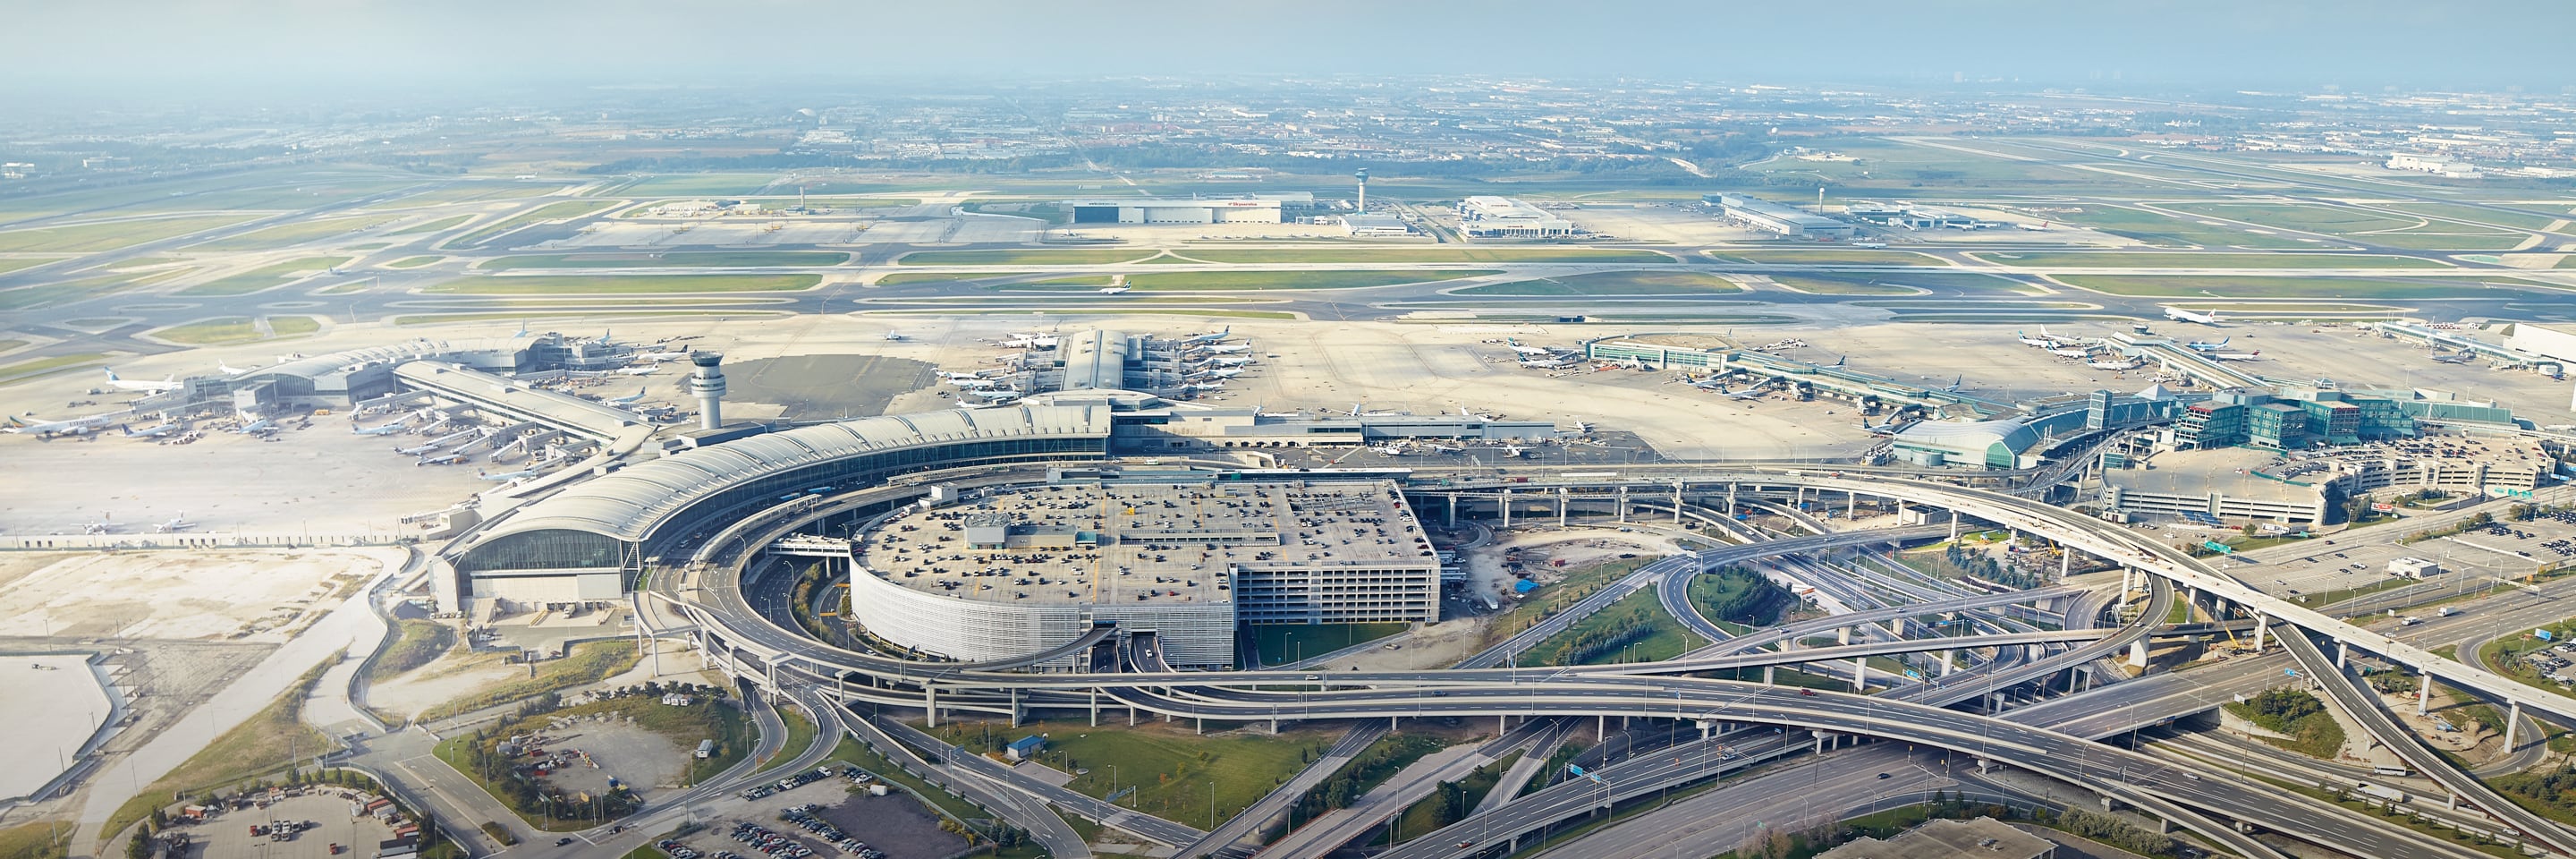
x=708, y=385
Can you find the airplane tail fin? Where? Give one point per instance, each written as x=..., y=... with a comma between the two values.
x=111, y=374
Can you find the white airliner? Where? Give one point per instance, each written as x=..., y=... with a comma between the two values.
x=2455, y=358
x=75, y=426
x=2181, y=315
x=1891, y=427
x=2206, y=346
x=506, y=475
x=1209, y=337
x=2237, y=356
x=170, y=383
x=388, y=429
x=959, y=377
x=1528, y=350
x=229, y=369
x=258, y=426
x=1581, y=428
x=620, y=401
x=1548, y=363
x=1230, y=360
x=2043, y=341
x=1114, y=290
x=894, y=336
x=1513, y=451
x=151, y=432
x=646, y=370
x=1228, y=350
x=450, y=459
x=176, y=524
x=1031, y=341
x=2071, y=352
x=2129, y=364
x=417, y=450
x=1355, y=411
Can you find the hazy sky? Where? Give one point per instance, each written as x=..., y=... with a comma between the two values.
x=280, y=48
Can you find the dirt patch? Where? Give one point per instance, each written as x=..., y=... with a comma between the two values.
x=594, y=749
x=218, y=595
x=1489, y=574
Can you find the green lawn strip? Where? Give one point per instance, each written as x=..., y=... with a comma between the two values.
x=416, y=643
x=6, y=345
x=293, y=232
x=1028, y=257
x=1449, y=803
x=903, y=277
x=1825, y=286
x=1170, y=768
x=1634, y=629
x=414, y=262
x=2163, y=230
x=1739, y=596
x=1372, y=767
x=2504, y=655
x=10, y=264
x=548, y=212
x=588, y=663
x=475, y=755
x=699, y=184
x=2277, y=286
x=269, y=741
x=1573, y=584
x=266, y=276
x=1228, y=314
x=432, y=226
x=2434, y=239
x=1899, y=282
x=1281, y=643
x=627, y=284
x=1822, y=256
x=237, y=329
x=2312, y=730
x=2516, y=220
x=2309, y=217
x=1613, y=283
x=91, y=238
x=679, y=259
x=442, y=318
x=1258, y=280
x=2167, y=259
x=22, y=370
x=42, y=839
x=1427, y=255
x=801, y=732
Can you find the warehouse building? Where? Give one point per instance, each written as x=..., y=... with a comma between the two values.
x=1775, y=218
x=1505, y=217
x=1175, y=210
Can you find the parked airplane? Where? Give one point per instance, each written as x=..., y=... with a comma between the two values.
x=176, y=524
x=75, y=426
x=1114, y=290
x=150, y=432
x=1230, y=360
x=2071, y=352
x=229, y=369
x=894, y=336
x=1513, y=451
x=2205, y=346
x=645, y=370
x=959, y=377
x=1527, y=350
x=659, y=357
x=2126, y=364
x=978, y=383
x=2043, y=341
x=1355, y=411
x=505, y=476
x=620, y=401
x=450, y=459
x=1550, y=363
x=2236, y=356
x=417, y=449
x=1581, y=428
x=256, y=427
x=2181, y=315
x=388, y=429
x=169, y=383
x=1227, y=350
x=1955, y=384
x=1030, y=341
x=1210, y=337
x=2456, y=358
x=996, y=396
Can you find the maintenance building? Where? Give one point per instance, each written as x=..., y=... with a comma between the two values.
x=1177, y=210
x=1505, y=217
x=1773, y=217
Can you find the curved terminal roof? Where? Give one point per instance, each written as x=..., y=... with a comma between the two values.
x=628, y=503
x=323, y=365
x=1975, y=436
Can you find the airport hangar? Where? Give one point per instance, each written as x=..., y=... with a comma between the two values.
x=587, y=543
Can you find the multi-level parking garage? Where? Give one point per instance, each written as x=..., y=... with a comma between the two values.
x=702, y=515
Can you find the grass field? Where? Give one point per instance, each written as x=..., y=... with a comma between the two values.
x=266, y=276
x=415, y=644
x=108, y=236
x=1038, y=257
x=2486, y=216
x=433, y=226
x=43, y=839
x=1822, y=256
x=589, y=663
x=473, y=192
x=296, y=232
x=2261, y=286
x=577, y=313
x=1424, y=255
x=1257, y=280
x=2163, y=230
x=1290, y=642
x=903, y=277
x=1613, y=283
x=74, y=290
x=2133, y=259
x=414, y=262
x=2358, y=225
x=10, y=264
x=699, y=185
x=51, y=363
x=628, y=284
x=1830, y=286
x=801, y=732
x=682, y=259
x=1895, y=282
x=1659, y=636
x=237, y=329
x=1171, y=768
x=1216, y=314
x=268, y=740
x=548, y=212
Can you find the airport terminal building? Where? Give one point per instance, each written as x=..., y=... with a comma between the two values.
x=1258, y=209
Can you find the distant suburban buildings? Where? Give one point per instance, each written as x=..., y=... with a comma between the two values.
x=2434, y=164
